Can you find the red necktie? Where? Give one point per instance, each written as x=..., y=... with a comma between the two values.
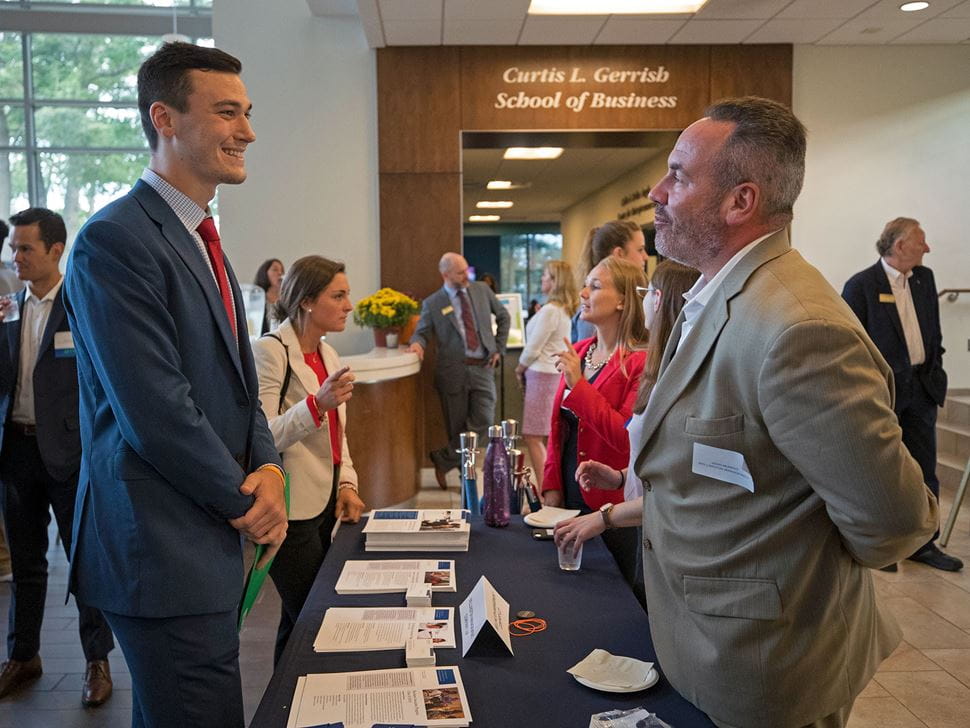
x=471, y=335
x=207, y=230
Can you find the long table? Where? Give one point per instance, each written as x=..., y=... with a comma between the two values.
x=584, y=610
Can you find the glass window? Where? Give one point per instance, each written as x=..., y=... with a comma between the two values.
x=89, y=67
x=11, y=66
x=12, y=126
x=100, y=126
x=13, y=187
x=523, y=257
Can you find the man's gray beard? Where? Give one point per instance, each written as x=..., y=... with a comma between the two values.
x=702, y=245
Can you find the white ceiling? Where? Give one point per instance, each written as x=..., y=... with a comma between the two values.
x=506, y=22
x=551, y=186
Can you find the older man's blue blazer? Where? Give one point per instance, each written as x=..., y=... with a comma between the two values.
x=880, y=318
x=169, y=416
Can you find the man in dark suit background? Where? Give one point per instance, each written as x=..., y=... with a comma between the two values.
x=896, y=301
x=178, y=461
x=459, y=316
x=41, y=451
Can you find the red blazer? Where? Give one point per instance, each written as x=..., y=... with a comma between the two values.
x=603, y=408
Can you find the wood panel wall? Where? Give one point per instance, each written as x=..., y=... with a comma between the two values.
x=428, y=95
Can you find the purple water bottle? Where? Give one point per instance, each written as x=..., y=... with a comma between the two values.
x=496, y=480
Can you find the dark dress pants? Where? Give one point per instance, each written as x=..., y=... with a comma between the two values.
x=184, y=670
x=296, y=565
x=28, y=495
x=918, y=422
x=467, y=395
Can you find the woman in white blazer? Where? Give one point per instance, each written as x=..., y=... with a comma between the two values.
x=303, y=389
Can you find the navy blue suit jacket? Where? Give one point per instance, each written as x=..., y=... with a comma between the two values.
x=881, y=321
x=55, y=390
x=170, y=418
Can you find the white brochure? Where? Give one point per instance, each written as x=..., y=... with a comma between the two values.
x=419, y=696
x=484, y=606
x=383, y=576
x=726, y=465
x=359, y=629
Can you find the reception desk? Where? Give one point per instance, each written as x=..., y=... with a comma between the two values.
x=382, y=427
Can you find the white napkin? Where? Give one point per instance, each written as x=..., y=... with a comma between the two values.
x=602, y=668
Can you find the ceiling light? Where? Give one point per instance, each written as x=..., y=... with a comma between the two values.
x=614, y=7
x=484, y=218
x=913, y=7
x=499, y=184
x=533, y=153
x=493, y=204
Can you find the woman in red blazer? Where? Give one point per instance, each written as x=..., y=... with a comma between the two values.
x=596, y=394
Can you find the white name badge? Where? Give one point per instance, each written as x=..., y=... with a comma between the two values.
x=726, y=465
x=63, y=344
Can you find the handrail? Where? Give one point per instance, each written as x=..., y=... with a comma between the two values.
x=952, y=294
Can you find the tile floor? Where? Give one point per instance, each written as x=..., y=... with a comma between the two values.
x=924, y=684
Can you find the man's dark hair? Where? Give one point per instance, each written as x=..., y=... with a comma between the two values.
x=767, y=147
x=50, y=224
x=4, y=231
x=165, y=77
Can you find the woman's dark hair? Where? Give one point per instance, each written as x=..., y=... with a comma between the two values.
x=673, y=280
x=262, y=273
x=305, y=279
x=602, y=241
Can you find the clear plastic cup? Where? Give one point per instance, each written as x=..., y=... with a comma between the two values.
x=568, y=561
x=10, y=311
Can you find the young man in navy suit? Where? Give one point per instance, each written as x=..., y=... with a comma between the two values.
x=178, y=461
x=896, y=301
x=41, y=451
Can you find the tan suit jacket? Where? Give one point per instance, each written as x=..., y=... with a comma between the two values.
x=762, y=607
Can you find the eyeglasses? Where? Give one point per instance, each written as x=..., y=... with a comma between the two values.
x=643, y=292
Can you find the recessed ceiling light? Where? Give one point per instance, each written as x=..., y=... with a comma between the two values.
x=484, y=218
x=614, y=7
x=533, y=153
x=913, y=7
x=493, y=204
x=499, y=184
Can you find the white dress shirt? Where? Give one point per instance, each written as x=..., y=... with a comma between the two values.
x=703, y=291
x=33, y=321
x=903, y=295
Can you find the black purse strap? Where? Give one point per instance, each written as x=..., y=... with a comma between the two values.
x=286, y=377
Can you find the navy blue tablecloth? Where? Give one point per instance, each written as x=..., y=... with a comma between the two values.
x=588, y=609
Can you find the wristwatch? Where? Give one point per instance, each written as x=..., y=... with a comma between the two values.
x=606, y=509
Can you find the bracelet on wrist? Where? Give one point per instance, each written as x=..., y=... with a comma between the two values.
x=352, y=486
x=622, y=481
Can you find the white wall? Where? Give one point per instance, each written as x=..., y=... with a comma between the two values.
x=312, y=185
x=889, y=135
x=605, y=204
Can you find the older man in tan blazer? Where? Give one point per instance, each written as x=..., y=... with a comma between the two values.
x=773, y=471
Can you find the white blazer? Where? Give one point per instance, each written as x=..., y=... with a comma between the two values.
x=307, y=455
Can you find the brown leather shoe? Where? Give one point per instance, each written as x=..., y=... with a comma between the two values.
x=440, y=472
x=17, y=673
x=97, y=683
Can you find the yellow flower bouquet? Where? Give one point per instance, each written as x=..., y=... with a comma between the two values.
x=386, y=309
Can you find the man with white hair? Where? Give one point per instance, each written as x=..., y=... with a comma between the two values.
x=896, y=301
x=459, y=317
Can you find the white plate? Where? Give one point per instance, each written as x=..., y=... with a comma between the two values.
x=548, y=517
x=652, y=677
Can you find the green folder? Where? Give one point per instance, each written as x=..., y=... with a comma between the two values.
x=256, y=577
